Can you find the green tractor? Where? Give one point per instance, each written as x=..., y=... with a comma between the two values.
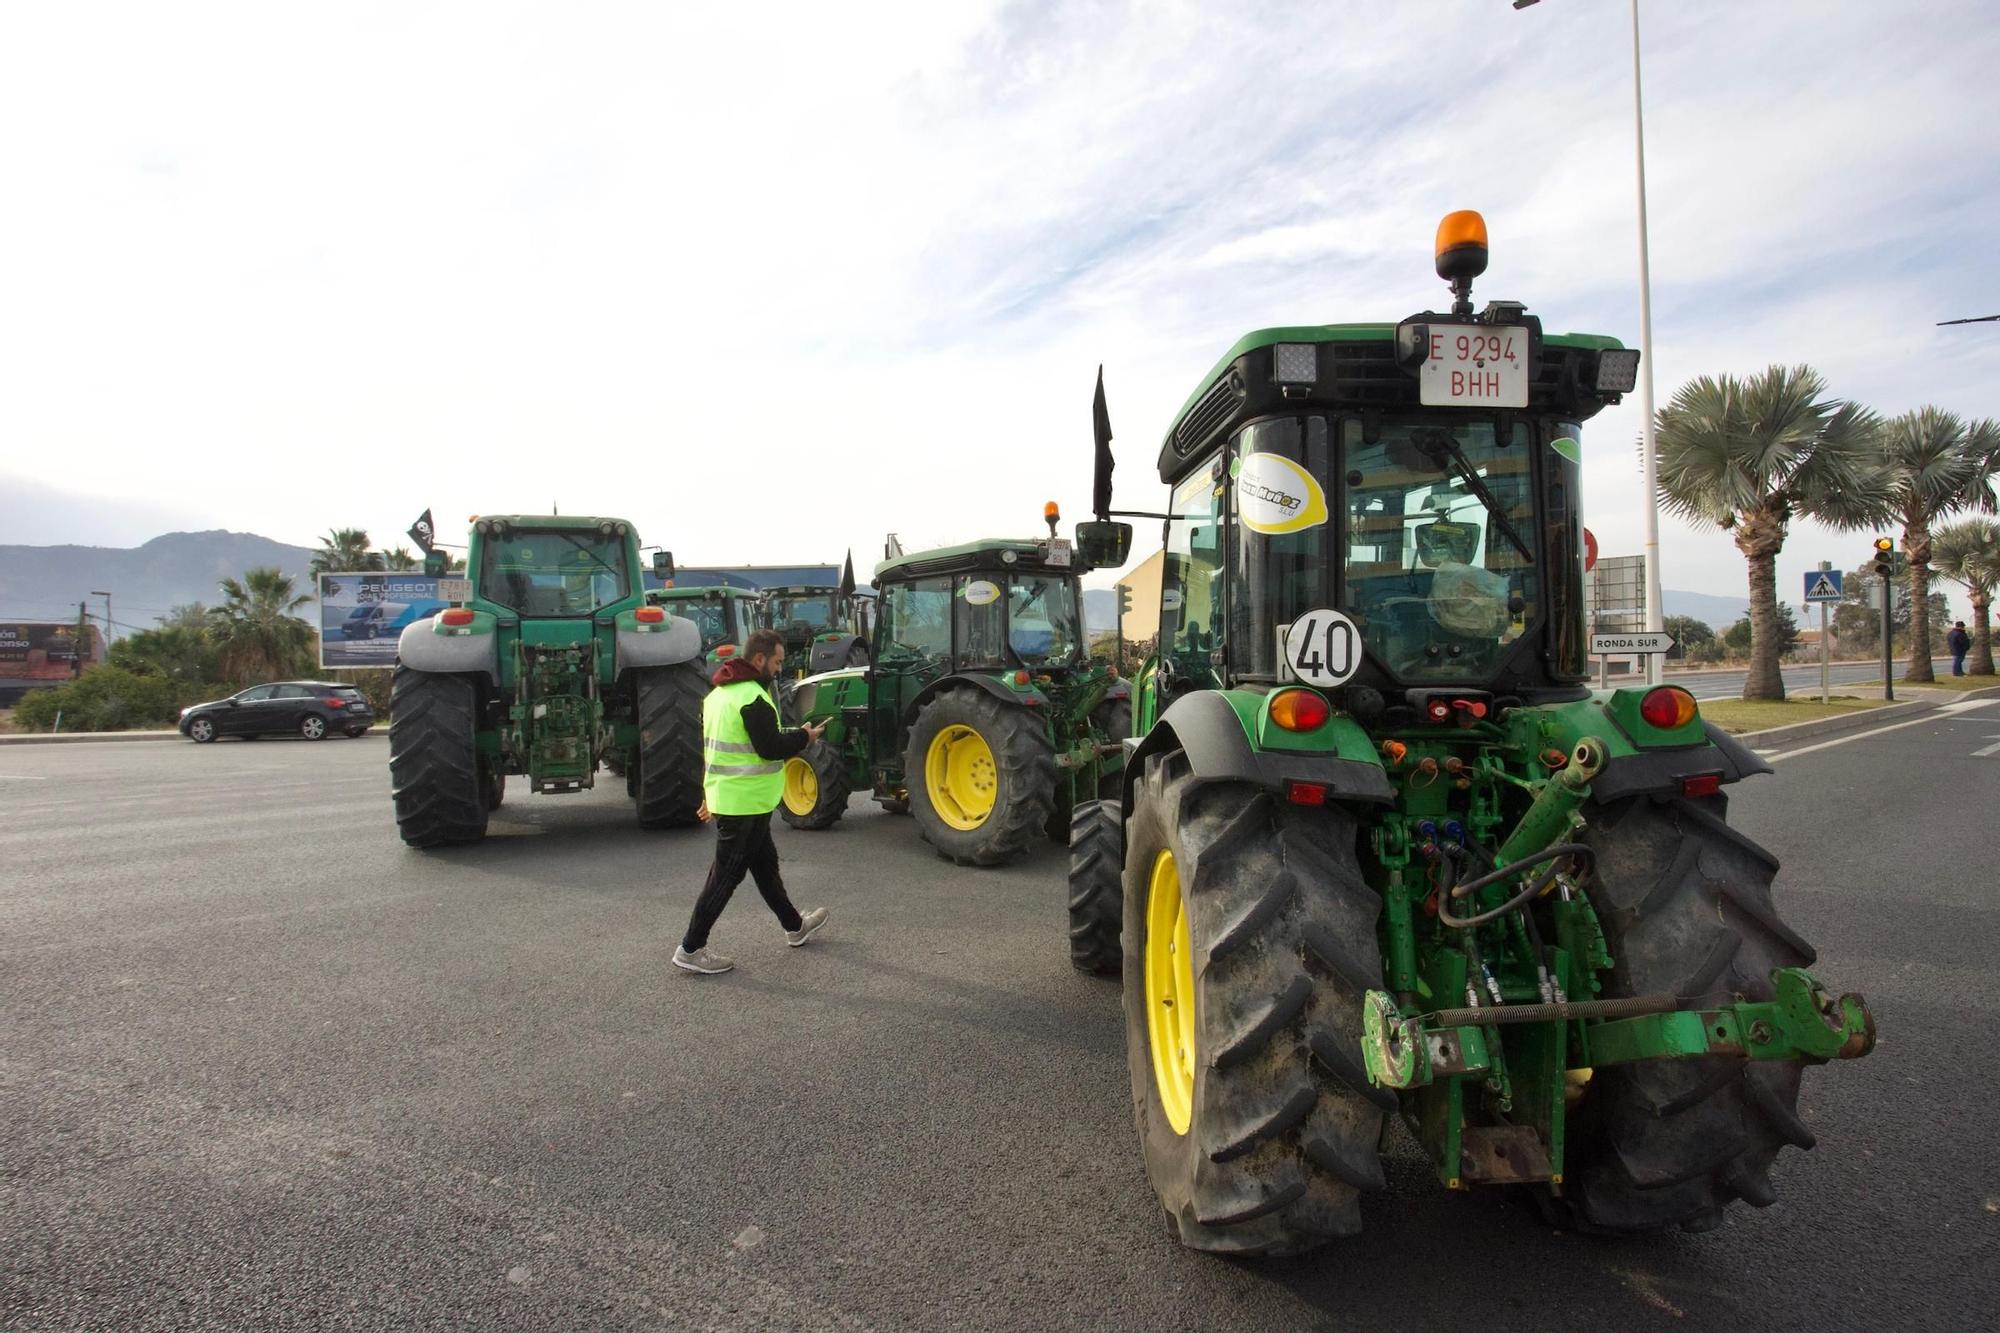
x=983, y=714
x=825, y=627
x=724, y=614
x=1380, y=850
x=549, y=664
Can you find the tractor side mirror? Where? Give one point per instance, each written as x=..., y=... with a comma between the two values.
x=663, y=565
x=1105, y=545
x=437, y=564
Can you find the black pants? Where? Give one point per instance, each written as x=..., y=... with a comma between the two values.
x=742, y=844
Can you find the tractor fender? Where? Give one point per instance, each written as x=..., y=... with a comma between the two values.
x=1660, y=772
x=676, y=639
x=1204, y=726
x=830, y=655
x=1004, y=694
x=473, y=651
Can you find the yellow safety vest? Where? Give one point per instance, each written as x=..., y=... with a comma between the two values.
x=735, y=779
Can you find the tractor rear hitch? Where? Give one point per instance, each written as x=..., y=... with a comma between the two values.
x=1803, y=1021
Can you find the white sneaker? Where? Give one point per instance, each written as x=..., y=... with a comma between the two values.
x=808, y=923
x=704, y=961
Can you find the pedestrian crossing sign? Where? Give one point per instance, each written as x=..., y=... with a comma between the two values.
x=1822, y=585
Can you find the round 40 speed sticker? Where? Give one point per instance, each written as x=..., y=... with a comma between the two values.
x=1323, y=648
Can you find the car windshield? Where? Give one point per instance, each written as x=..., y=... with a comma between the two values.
x=553, y=573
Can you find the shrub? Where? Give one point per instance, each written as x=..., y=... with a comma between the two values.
x=107, y=698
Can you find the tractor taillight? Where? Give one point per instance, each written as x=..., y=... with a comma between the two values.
x=649, y=615
x=1300, y=710
x=1667, y=707
x=1021, y=678
x=1701, y=784
x=457, y=616
x=725, y=650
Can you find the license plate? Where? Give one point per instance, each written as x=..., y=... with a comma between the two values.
x=1475, y=365
x=455, y=590
x=1056, y=552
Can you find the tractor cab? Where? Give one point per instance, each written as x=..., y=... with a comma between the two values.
x=725, y=615
x=825, y=626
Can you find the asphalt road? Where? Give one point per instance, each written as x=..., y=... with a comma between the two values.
x=265, y=1067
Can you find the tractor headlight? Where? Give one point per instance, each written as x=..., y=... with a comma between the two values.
x=1617, y=370
x=1295, y=363
x=604, y=529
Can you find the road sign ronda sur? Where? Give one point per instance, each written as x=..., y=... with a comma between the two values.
x=1656, y=642
x=1822, y=585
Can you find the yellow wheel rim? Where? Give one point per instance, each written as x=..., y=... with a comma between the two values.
x=1170, y=992
x=801, y=786
x=961, y=777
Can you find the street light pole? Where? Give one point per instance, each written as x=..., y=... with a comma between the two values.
x=1649, y=453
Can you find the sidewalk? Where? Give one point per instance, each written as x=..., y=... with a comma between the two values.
x=80, y=737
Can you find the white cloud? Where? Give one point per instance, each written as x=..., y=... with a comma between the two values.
x=292, y=269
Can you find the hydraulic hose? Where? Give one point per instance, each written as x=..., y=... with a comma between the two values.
x=1472, y=886
x=1519, y=900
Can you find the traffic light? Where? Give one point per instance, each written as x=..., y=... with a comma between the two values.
x=1124, y=602
x=1885, y=558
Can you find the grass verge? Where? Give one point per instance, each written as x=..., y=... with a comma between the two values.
x=1946, y=681
x=1740, y=715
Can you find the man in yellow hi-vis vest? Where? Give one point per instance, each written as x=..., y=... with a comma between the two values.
x=743, y=762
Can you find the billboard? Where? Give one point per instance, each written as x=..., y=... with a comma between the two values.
x=362, y=614
x=42, y=650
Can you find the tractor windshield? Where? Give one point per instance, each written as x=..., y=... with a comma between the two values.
x=810, y=612
x=553, y=573
x=1042, y=620
x=710, y=615
x=1424, y=529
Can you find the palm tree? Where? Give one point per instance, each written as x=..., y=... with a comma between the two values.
x=343, y=549
x=1968, y=552
x=399, y=557
x=1750, y=454
x=259, y=637
x=1933, y=463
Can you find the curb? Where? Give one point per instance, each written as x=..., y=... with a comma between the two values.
x=1776, y=737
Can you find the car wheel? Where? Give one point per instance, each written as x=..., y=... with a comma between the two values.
x=201, y=731
x=312, y=726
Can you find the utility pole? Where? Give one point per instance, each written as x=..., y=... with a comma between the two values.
x=82, y=637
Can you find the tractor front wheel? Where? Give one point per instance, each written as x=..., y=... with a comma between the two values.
x=668, y=778
x=816, y=788
x=1685, y=903
x=1096, y=887
x=434, y=758
x=982, y=777
x=1249, y=942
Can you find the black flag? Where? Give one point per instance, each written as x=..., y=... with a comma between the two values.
x=1101, y=421
x=423, y=532
x=847, y=576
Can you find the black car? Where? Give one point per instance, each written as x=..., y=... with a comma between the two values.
x=308, y=708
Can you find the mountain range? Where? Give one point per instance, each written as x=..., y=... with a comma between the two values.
x=46, y=582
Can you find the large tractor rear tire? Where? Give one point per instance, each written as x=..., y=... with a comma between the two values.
x=668, y=782
x=1096, y=887
x=1685, y=903
x=816, y=788
x=434, y=759
x=982, y=777
x=1249, y=942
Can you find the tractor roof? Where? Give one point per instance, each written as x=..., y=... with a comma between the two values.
x=691, y=593
x=988, y=553
x=1361, y=373
x=554, y=522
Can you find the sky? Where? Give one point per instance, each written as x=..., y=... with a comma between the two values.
x=772, y=282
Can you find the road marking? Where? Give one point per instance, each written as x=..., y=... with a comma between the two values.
x=1957, y=707
x=1991, y=749
x=11, y=777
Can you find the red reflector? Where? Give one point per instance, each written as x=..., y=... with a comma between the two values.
x=1305, y=793
x=649, y=615
x=458, y=615
x=1701, y=784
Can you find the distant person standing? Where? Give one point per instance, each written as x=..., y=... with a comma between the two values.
x=1958, y=643
x=743, y=776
